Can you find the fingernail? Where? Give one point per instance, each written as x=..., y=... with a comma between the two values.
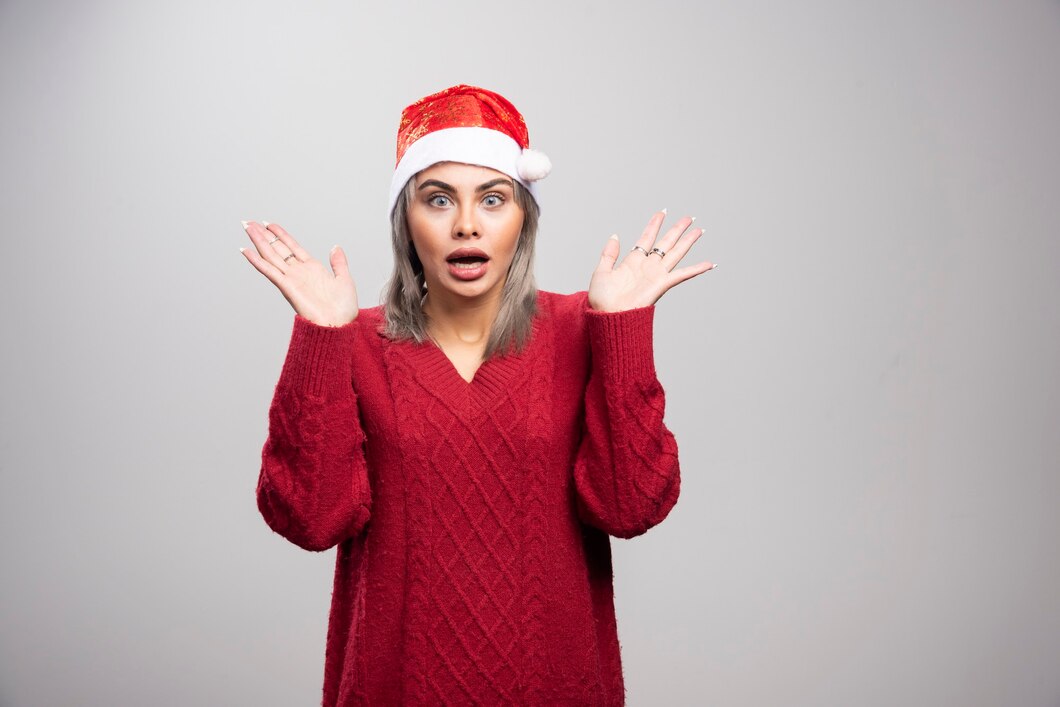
x=244, y=224
x=265, y=224
x=614, y=236
x=242, y=249
x=664, y=211
x=713, y=266
x=693, y=218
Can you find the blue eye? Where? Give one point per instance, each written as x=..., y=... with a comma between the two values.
x=498, y=200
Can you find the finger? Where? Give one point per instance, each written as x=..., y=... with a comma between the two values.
x=678, y=250
x=288, y=240
x=262, y=266
x=670, y=238
x=260, y=237
x=646, y=241
x=647, y=238
x=686, y=273
x=339, y=264
x=609, y=255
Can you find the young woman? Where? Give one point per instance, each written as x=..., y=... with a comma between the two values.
x=470, y=444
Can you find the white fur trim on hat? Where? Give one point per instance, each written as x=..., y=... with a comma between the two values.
x=472, y=145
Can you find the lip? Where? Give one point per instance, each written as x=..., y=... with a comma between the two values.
x=465, y=273
x=467, y=253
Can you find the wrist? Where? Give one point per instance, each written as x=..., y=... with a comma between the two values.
x=327, y=322
x=621, y=341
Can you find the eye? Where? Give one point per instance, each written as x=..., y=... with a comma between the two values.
x=432, y=201
x=498, y=199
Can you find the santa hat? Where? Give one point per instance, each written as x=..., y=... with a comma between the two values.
x=466, y=124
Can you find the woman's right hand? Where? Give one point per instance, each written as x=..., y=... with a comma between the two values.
x=321, y=297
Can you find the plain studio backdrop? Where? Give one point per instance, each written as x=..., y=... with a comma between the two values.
x=865, y=392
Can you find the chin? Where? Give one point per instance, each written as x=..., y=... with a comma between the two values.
x=475, y=289
x=470, y=288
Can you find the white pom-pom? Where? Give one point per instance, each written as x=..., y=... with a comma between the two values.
x=533, y=165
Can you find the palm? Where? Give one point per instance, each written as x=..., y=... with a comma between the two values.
x=640, y=281
x=325, y=298
x=612, y=286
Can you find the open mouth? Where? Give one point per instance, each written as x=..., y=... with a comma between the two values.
x=468, y=262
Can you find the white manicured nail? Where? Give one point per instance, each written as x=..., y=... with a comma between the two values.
x=614, y=236
x=693, y=218
x=664, y=211
x=244, y=224
x=265, y=224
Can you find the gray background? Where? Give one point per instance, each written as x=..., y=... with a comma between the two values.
x=865, y=392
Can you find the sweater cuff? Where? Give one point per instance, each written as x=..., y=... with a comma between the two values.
x=319, y=357
x=622, y=342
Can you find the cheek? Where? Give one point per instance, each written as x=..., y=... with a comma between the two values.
x=422, y=233
x=515, y=228
x=420, y=218
x=415, y=222
x=512, y=243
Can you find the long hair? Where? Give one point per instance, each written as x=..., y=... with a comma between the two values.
x=407, y=287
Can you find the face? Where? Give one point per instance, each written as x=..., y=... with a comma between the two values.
x=464, y=210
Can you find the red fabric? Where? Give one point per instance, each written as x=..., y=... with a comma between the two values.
x=472, y=519
x=460, y=106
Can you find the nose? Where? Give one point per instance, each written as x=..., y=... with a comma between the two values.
x=466, y=224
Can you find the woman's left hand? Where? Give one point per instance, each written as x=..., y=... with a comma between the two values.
x=639, y=280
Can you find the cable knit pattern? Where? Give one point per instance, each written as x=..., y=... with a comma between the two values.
x=629, y=430
x=472, y=520
x=313, y=393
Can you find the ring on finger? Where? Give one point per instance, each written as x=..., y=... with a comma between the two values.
x=289, y=256
x=274, y=240
x=637, y=247
x=662, y=253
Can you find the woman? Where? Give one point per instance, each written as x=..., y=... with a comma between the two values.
x=470, y=444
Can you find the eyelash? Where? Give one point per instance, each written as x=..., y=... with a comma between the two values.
x=431, y=199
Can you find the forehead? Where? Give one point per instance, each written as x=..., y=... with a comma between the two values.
x=459, y=173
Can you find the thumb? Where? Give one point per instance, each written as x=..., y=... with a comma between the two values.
x=609, y=255
x=338, y=262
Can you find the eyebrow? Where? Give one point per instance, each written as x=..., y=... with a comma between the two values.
x=481, y=187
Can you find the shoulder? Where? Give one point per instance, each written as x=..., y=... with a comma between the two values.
x=566, y=315
x=565, y=319
x=372, y=322
x=565, y=309
x=374, y=314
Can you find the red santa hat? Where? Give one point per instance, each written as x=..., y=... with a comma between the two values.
x=466, y=124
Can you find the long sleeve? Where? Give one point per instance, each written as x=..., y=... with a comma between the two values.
x=313, y=487
x=626, y=472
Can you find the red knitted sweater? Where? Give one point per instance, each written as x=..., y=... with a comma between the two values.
x=472, y=519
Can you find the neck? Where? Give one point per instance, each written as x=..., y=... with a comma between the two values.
x=454, y=318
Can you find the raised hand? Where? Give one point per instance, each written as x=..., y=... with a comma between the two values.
x=322, y=297
x=644, y=275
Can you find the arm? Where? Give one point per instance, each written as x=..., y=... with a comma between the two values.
x=313, y=488
x=626, y=472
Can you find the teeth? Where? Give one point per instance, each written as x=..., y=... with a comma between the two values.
x=467, y=266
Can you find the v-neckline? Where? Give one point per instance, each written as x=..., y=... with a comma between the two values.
x=474, y=376
x=492, y=379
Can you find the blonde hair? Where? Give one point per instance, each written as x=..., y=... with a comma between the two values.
x=404, y=292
